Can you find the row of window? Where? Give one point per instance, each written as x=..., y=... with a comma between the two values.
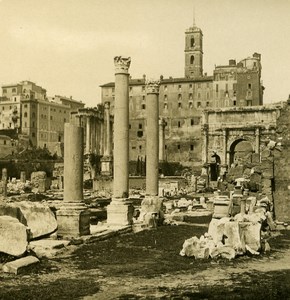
x=190, y=96
x=249, y=86
x=190, y=105
x=194, y=121
x=165, y=87
x=191, y=147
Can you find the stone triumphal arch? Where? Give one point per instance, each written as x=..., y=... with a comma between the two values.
x=231, y=133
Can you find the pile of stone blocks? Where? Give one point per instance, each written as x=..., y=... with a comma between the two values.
x=229, y=237
x=28, y=232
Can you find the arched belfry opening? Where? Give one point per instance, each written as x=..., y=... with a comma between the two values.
x=240, y=150
x=191, y=60
x=192, y=41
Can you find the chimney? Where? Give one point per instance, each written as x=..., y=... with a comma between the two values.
x=232, y=62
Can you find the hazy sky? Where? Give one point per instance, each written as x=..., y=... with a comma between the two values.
x=68, y=46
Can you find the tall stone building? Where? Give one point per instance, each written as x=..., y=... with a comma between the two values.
x=25, y=108
x=182, y=99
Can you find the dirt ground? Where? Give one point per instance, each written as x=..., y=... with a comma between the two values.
x=147, y=265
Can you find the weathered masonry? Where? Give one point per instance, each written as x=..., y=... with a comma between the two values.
x=229, y=133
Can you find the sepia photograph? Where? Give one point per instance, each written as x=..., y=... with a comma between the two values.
x=144, y=149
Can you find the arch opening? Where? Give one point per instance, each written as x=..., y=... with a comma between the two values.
x=240, y=151
x=191, y=60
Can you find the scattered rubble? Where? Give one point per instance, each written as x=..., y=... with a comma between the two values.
x=30, y=214
x=229, y=237
x=13, y=236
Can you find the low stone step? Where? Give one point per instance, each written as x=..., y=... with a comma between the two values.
x=20, y=264
x=47, y=247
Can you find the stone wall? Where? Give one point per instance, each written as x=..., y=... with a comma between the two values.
x=282, y=168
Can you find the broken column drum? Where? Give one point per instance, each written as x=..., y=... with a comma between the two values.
x=73, y=163
x=73, y=218
x=120, y=212
x=152, y=140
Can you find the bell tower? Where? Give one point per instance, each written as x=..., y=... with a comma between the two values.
x=193, y=52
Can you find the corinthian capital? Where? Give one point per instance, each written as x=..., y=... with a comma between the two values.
x=122, y=64
x=152, y=86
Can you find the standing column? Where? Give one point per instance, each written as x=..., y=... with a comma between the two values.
x=257, y=135
x=151, y=206
x=108, y=129
x=102, y=135
x=205, y=138
x=225, y=145
x=73, y=219
x=73, y=163
x=120, y=211
x=4, y=182
x=93, y=135
x=98, y=133
x=161, y=140
x=88, y=134
x=152, y=138
x=106, y=162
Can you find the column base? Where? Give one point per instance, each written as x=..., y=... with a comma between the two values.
x=107, y=166
x=120, y=212
x=73, y=220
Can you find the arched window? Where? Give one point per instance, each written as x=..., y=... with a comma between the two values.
x=192, y=42
x=25, y=115
x=191, y=60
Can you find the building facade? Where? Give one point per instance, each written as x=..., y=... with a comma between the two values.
x=26, y=108
x=182, y=100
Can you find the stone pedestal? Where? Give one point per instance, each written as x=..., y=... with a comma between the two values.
x=107, y=166
x=73, y=220
x=23, y=177
x=120, y=212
